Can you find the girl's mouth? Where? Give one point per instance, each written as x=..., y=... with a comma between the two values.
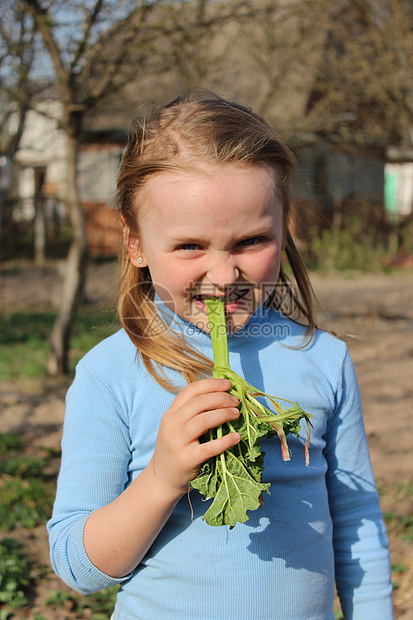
x=232, y=302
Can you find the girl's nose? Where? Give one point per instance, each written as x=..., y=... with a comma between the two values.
x=223, y=273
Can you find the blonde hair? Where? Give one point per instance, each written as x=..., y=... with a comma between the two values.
x=199, y=127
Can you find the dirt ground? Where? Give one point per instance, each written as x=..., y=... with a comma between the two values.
x=373, y=313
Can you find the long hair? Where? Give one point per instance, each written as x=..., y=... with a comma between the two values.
x=198, y=128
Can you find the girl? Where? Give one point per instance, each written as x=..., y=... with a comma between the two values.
x=204, y=202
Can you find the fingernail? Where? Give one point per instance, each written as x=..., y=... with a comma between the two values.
x=234, y=399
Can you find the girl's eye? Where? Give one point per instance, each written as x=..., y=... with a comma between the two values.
x=249, y=241
x=189, y=247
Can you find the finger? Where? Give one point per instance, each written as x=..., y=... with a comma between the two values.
x=197, y=388
x=205, y=402
x=203, y=422
x=212, y=448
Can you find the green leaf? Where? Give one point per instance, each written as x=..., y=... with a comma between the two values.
x=236, y=493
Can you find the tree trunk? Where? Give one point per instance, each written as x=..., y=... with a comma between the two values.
x=76, y=261
x=39, y=234
x=39, y=219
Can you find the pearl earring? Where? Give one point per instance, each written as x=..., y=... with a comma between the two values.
x=140, y=260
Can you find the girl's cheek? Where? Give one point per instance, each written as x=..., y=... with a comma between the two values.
x=180, y=276
x=267, y=264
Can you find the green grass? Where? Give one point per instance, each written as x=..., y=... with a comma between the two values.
x=15, y=574
x=403, y=490
x=24, y=340
x=399, y=567
x=400, y=525
x=26, y=497
x=9, y=443
x=101, y=603
x=24, y=503
x=352, y=248
x=26, y=487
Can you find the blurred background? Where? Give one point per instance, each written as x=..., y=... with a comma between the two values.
x=335, y=77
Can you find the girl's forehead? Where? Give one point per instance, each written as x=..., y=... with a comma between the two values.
x=227, y=194
x=209, y=175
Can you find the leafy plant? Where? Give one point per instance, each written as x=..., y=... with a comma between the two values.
x=349, y=248
x=26, y=491
x=9, y=442
x=15, y=578
x=401, y=525
x=233, y=479
x=23, y=467
x=59, y=598
x=24, y=503
x=404, y=490
x=102, y=603
x=399, y=568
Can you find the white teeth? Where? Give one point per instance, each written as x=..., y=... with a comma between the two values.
x=227, y=300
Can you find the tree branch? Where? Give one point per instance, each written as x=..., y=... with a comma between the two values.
x=45, y=26
x=86, y=32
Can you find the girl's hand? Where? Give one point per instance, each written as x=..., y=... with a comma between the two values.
x=178, y=453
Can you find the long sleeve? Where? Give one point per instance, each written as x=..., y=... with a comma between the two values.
x=93, y=473
x=362, y=563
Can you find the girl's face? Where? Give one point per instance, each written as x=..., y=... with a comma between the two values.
x=213, y=232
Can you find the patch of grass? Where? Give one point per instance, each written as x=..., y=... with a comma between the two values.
x=10, y=442
x=24, y=338
x=24, y=503
x=102, y=603
x=400, y=525
x=23, y=467
x=404, y=490
x=26, y=488
x=399, y=568
x=350, y=248
x=400, y=491
x=15, y=576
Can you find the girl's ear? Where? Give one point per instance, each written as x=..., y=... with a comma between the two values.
x=132, y=245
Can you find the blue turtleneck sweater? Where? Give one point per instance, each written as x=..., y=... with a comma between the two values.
x=321, y=524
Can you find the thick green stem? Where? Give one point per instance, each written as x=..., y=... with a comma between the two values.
x=218, y=329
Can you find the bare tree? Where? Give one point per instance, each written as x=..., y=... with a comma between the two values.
x=283, y=40
x=18, y=47
x=364, y=84
x=17, y=51
x=198, y=41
